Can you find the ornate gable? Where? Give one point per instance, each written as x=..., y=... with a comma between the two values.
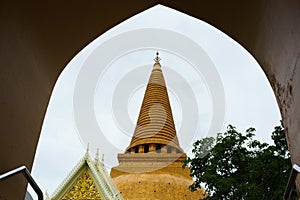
x=88, y=180
x=83, y=189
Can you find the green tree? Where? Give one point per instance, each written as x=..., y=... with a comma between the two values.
x=236, y=166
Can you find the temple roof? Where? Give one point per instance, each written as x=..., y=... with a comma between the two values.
x=89, y=179
x=155, y=124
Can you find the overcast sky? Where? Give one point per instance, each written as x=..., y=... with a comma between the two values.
x=246, y=99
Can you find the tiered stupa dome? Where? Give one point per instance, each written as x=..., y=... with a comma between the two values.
x=151, y=167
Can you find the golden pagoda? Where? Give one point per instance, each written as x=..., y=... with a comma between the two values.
x=151, y=167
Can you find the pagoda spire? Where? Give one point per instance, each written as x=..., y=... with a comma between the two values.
x=157, y=58
x=155, y=124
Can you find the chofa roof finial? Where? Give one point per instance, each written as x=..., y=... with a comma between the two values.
x=97, y=155
x=87, y=151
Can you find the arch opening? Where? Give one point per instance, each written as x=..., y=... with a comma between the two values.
x=226, y=65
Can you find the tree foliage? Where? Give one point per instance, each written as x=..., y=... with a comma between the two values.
x=236, y=166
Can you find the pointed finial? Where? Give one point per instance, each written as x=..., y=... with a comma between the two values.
x=88, y=147
x=157, y=58
x=102, y=160
x=47, y=195
x=97, y=155
x=87, y=151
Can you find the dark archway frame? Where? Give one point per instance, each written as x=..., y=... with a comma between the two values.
x=39, y=38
